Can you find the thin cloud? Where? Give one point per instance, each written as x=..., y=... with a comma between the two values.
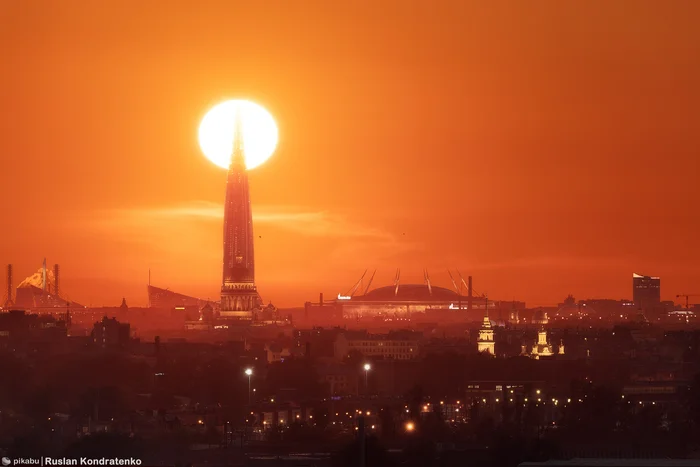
x=299, y=220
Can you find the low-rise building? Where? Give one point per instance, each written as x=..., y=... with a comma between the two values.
x=399, y=345
x=110, y=333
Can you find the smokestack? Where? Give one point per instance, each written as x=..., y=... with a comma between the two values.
x=308, y=350
x=43, y=276
x=320, y=299
x=55, y=279
x=469, y=293
x=9, y=284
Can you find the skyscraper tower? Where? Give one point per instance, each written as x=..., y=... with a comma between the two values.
x=239, y=296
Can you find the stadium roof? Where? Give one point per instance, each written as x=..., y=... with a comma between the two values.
x=410, y=293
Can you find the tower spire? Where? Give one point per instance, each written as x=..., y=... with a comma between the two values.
x=239, y=296
x=238, y=155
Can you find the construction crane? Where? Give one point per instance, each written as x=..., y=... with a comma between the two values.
x=687, y=295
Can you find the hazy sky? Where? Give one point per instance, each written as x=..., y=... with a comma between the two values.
x=545, y=148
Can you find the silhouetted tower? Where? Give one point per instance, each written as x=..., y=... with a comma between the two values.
x=239, y=295
x=8, y=301
x=55, y=279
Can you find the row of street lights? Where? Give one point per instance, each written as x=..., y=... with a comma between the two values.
x=249, y=373
x=409, y=426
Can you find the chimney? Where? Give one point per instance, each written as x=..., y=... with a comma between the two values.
x=9, y=284
x=320, y=299
x=43, y=275
x=55, y=278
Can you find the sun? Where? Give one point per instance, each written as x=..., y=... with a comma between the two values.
x=257, y=125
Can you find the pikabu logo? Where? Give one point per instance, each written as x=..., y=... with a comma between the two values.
x=85, y=461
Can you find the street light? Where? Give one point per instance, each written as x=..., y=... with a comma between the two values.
x=367, y=368
x=249, y=373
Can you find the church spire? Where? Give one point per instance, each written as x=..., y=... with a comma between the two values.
x=238, y=155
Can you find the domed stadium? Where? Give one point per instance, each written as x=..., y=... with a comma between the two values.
x=402, y=300
x=410, y=293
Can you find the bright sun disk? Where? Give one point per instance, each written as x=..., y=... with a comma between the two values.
x=216, y=133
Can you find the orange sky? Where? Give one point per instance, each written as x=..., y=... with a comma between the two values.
x=542, y=147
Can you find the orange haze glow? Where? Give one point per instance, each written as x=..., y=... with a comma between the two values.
x=544, y=148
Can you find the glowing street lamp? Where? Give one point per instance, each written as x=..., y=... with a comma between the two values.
x=410, y=427
x=249, y=373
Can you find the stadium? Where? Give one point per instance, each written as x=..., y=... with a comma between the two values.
x=401, y=301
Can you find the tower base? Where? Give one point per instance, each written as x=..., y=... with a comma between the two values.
x=238, y=300
x=241, y=315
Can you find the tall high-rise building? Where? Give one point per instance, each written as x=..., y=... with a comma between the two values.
x=239, y=296
x=646, y=291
